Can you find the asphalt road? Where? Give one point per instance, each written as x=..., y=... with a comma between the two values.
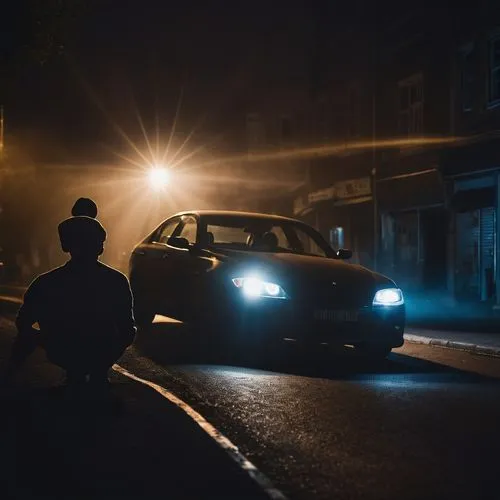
x=423, y=424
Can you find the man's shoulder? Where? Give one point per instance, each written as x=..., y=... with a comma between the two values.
x=64, y=223
x=45, y=279
x=112, y=273
x=53, y=273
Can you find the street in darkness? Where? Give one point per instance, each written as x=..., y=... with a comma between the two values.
x=421, y=424
x=312, y=191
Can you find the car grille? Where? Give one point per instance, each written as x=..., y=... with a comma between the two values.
x=340, y=296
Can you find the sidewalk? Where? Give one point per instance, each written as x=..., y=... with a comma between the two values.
x=474, y=342
x=151, y=449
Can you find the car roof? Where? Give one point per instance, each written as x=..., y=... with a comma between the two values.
x=233, y=213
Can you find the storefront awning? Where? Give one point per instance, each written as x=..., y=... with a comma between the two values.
x=412, y=191
x=471, y=199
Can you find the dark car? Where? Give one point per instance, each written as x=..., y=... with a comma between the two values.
x=259, y=279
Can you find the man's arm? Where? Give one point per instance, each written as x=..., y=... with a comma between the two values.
x=124, y=315
x=26, y=339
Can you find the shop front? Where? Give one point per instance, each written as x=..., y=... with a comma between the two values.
x=413, y=224
x=473, y=177
x=343, y=213
x=473, y=206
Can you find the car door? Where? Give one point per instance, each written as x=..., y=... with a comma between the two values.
x=153, y=270
x=185, y=261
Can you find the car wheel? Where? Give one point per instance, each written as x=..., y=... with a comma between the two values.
x=374, y=352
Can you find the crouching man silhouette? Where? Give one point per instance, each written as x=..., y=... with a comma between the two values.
x=83, y=310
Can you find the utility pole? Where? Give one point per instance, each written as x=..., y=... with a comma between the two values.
x=374, y=82
x=374, y=183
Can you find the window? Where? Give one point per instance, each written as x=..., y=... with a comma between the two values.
x=411, y=105
x=189, y=229
x=466, y=78
x=251, y=235
x=494, y=78
x=228, y=235
x=280, y=234
x=308, y=245
x=164, y=233
x=337, y=237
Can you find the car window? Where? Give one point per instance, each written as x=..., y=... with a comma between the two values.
x=251, y=234
x=224, y=234
x=189, y=230
x=308, y=245
x=282, y=239
x=164, y=233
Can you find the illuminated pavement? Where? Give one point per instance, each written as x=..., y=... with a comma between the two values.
x=424, y=424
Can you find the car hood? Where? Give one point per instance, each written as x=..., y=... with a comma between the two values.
x=306, y=277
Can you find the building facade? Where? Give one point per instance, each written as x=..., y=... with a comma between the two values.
x=413, y=186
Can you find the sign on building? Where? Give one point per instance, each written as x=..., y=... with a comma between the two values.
x=353, y=188
x=321, y=195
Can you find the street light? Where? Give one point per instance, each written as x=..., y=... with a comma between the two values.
x=159, y=177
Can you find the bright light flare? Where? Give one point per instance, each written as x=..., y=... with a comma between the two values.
x=159, y=178
x=388, y=297
x=254, y=287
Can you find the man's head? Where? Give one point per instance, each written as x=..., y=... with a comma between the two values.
x=84, y=238
x=84, y=207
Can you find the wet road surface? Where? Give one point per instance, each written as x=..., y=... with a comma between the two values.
x=422, y=424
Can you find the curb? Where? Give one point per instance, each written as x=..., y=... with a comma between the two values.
x=453, y=344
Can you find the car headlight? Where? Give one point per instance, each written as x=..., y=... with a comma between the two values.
x=256, y=287
x=389, y=297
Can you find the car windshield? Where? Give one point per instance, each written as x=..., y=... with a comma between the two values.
x=263, y=235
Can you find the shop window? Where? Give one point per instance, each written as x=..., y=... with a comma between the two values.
x=406, y=238
x=411, y=105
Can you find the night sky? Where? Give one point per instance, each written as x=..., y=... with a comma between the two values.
x=68, y=75
x=117, y=57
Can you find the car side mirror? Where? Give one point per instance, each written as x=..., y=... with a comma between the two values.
x=181, y=243
x=344, y=254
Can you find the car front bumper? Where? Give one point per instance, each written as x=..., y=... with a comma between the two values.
x=266, y=319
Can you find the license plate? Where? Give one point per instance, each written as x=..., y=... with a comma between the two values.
x=335, y=315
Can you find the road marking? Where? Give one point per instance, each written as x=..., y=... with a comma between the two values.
x=232, y=450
